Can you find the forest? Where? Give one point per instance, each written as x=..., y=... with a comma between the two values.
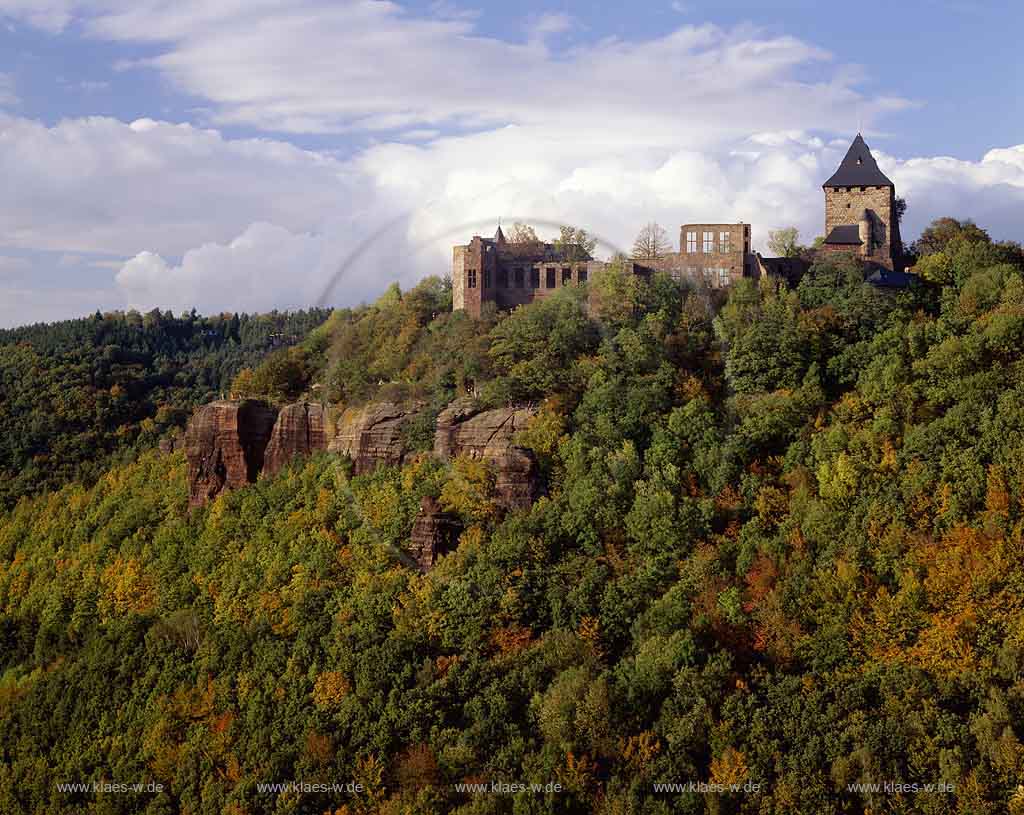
x=81, y=395
x=779, y=554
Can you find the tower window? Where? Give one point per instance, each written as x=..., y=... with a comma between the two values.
x=709, y=242
x=691, y=242
x=471, y=278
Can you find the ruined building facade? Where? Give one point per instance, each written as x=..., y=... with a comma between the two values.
x=860, y=218
x=512, y=274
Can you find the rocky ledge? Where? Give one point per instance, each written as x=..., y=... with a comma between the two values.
x=225, y=443
x=464, y=429
x=298, y=431
x=372, y=435
x=434, y=533
x=229, y=443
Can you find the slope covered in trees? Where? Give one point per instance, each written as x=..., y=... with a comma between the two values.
x=780, y=545
x=76, y=395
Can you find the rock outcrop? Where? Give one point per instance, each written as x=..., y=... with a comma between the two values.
x=434, y=533
x=225, y=443
x=372, y=435
x=298, y=431
x=464, y=429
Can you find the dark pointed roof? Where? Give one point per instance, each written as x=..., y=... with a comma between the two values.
x=499, y=236
x=846, y=235
x=858, y=169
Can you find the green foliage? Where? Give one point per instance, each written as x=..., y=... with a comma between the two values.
x=784, y=242
x=281, y=376
x=574, y=243
x=789, y=550
x=81, y=394
x=532, y=349
x=411, y=343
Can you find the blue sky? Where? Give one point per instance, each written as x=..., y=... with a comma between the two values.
x=152, y=148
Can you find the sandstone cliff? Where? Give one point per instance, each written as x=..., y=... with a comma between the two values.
x=434, y=533
x=225, y=443
x=464, y=429
x=372, y=435
x=298, y=431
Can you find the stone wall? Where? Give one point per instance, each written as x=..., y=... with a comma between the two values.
x=458, y=277
x=845, y=205
x=738, y=261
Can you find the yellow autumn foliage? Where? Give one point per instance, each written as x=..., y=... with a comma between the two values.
x=330, y=688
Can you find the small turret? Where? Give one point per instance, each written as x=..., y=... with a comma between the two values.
x=864, y=232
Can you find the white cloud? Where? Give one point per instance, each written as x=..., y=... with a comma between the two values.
x=777, y=184
x=220, y=224
x=265, y=264
x=319, y=66
x=100, y=185
x=990, y=191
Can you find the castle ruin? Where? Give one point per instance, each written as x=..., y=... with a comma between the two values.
x=860, y=218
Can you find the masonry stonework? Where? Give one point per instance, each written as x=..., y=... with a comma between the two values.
x=716, y=254
x=847, y=205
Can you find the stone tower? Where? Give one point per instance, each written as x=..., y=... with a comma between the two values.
x=860, y=210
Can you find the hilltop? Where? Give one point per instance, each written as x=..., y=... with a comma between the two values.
x=775, y=540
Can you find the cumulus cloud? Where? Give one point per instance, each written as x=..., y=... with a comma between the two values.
x=265, y=264
x=223, y=224
x=769, y=180
x=990, y=191
x=97, y=184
